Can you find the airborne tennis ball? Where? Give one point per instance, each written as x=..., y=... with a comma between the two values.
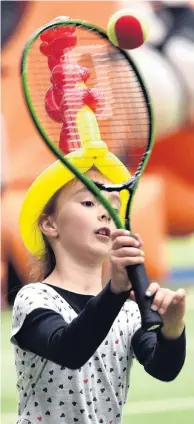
x=127, y=29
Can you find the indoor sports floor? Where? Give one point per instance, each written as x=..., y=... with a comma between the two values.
x=150, y=401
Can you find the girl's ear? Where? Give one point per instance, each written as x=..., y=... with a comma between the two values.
x=48, y=226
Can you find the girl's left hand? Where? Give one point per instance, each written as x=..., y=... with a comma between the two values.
x=171, y=306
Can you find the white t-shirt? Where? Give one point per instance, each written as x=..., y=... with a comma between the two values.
x=93, y=394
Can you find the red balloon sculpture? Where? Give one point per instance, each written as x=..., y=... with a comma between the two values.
x=55, y=44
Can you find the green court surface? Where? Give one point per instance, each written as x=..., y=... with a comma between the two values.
x=180, y=251
x=150, y=401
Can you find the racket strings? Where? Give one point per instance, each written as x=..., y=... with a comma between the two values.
x=123, y=118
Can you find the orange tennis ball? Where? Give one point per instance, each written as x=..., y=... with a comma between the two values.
x=127, y=29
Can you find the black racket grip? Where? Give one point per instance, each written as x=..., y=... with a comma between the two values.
x=151, y=320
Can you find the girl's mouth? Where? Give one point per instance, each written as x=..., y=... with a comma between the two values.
x=104, y=231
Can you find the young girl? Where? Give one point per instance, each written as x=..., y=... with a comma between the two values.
x=74, y=340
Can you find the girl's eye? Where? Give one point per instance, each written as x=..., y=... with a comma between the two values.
x=88, y=203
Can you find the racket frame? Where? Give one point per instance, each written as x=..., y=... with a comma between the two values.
x=133, y=182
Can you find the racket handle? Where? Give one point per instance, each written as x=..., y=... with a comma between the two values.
x=151, y=320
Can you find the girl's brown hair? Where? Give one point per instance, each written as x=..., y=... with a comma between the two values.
x=43, y=266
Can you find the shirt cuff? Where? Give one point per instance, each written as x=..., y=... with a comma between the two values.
x=164, y=340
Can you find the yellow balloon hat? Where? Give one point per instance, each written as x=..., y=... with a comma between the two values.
x=94, y=152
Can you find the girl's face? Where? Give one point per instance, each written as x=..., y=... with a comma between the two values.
x=83, y=225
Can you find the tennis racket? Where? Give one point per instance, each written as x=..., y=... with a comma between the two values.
x=96, y=95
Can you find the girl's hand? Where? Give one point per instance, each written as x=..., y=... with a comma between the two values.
x=126, y=250
x=171, y=306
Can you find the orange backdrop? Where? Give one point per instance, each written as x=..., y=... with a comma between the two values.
x=166, y=191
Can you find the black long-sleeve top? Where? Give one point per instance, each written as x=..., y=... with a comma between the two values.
x=161, y=358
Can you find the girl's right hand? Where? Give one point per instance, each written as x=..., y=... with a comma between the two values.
x=126, y=250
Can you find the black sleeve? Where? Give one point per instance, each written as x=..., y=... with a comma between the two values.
x=45, y=332
x=162, y=358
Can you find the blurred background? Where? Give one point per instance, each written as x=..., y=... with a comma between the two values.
x=163, y=211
